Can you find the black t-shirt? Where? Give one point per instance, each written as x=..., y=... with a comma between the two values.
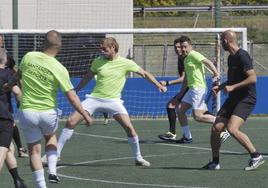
x=5, y=76
x=238, y=65
x=180, y=65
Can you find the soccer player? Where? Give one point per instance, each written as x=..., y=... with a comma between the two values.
x=241, y=87
x=195, y=96
x=6, y=125
x=42, y=75
x=175, y=101
x=10, y=65
x=111, y=71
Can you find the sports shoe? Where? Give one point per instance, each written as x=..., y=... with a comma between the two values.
x=142, y=162
x=184, y=140
x=19, y=183
x=22, y=153
x=212, y=166
x=224, y=135
x=44, y=159
x=52, y=178
x=254, y=163
x=167, y=136
x=106, y=121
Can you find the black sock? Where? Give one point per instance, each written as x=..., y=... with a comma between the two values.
x=14, y=173
x=16, y=137
x=216, y=159
x=254, y=155
x=172, y=120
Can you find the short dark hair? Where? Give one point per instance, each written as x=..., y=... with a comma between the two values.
x=177, y=40
x=184, y=38
x=52, y=40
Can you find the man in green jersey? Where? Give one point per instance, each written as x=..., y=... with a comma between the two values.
x=195, y=81
x=111, y=71
x=42, y=75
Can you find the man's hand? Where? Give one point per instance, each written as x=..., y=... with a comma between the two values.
x=88, y=119
x=162, y=88
x=215, y=90
x=228, y=89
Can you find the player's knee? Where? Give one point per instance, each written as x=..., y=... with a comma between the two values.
x=233, y=131
x=71, y=123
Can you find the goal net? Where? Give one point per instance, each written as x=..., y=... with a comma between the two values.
x=151, y=49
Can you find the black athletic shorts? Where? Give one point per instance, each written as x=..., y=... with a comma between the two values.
x=240, y=107
x=6, y=132
x=179, y=99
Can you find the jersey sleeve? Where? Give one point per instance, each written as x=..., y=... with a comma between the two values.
x=199, y=57
x=63, y=79
x=132, y=66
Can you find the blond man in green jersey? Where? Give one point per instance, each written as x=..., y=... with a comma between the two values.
x=111, y=71
x=42, y=75
x=196, y=82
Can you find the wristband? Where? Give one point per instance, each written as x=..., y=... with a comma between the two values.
x=167, y=83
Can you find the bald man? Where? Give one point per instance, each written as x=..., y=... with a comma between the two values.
x=42, y=76
x=241, y=89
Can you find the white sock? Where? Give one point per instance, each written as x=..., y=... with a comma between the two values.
x=186, y=131
x=52, y=157
x=135, y=146
x=65, y=135
x=39, y=178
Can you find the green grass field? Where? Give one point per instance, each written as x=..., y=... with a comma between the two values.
x=99, y=157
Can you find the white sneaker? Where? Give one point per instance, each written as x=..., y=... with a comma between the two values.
x=167, y=136
x=212, y=166
x=142, y=162
x=224, y=135
x=254, y=163
x=44, y=159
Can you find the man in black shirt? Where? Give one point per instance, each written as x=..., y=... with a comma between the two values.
x=241, y=87
x=6, y=123
x=175, y=101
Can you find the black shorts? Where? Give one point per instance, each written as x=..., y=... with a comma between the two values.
x=240, y=107
x=6, y=132
x=180, y=98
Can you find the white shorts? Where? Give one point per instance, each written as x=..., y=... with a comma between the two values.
x=196, y=98
x=37, y=124
x=111, y=106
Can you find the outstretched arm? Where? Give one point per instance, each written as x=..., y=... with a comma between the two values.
x=148, y=76
x=212, y=68
x=173, y=82
x=89, y=75
x=75, y=102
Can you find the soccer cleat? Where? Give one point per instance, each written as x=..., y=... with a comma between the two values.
x=254, y=163
x=224, y=135
x=142, y=162
x=212, y=166
x=184, y=140
x=44, y=159
x=19, y=183
x=106, y=121
x=52, y=178
x=167, y=136
x=22, y=153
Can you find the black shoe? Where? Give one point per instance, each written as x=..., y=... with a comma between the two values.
x=52, y=178
x=20, y=183
x=184, y=140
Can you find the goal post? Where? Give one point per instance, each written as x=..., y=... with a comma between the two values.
x=151, y=49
